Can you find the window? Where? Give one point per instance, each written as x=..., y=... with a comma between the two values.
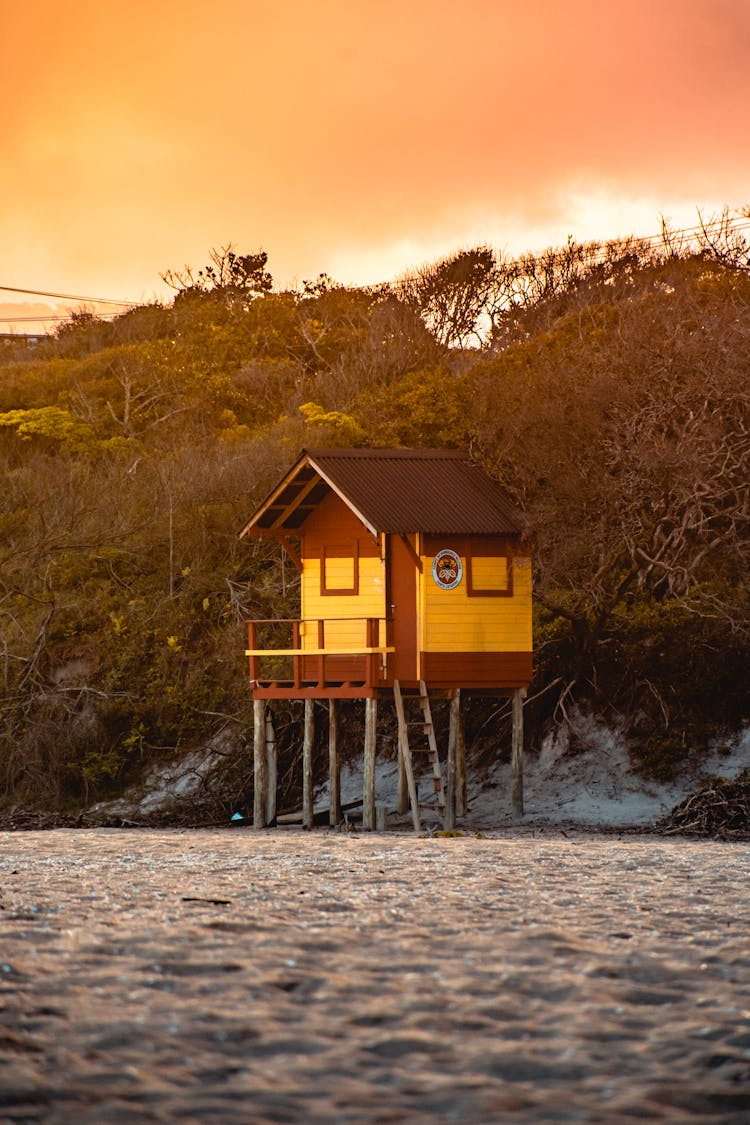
x=489, y=576
x=339, y=569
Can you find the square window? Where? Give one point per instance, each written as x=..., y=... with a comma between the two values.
x=489, y=576
x=339, y=569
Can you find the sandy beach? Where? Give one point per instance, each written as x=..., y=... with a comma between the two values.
x=281, y=976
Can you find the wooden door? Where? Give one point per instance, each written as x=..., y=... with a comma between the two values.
x=401, y=597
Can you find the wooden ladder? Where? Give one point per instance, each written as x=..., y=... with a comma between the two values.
x=406, y=751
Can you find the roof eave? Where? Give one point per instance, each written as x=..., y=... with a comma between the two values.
x=374, y=531
x=274, y=494
x=305, y=458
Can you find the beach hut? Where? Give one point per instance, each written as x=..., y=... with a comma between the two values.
x=415, y=582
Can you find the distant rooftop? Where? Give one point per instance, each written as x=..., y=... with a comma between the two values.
x=28, y=338
x=435, y=491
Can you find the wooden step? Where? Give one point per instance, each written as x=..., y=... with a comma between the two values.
x=406, y=751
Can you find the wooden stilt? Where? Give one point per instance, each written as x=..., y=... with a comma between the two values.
x=449, y=820
x=334, y=766
x=259, y=763
x=368, y=804
x=271, y=768
x=461, y=805
x=402, y=796
x=307, y=765
x=517, y=752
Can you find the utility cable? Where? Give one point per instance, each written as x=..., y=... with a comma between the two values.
x=67, y=296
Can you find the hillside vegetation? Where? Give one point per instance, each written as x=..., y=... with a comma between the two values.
x=605, y=386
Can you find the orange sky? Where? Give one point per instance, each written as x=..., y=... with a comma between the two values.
x=356, y=137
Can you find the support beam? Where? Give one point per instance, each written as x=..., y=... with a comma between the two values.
x=449, y=821
x=307, y=764
x=403, y=784
x=461, y=804
x=368, y=801
x=402, y=795
x=519, y=695
x=271, y=768
x=259, y=763
x=334, y=765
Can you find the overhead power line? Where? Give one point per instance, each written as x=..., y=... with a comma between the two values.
x=672, y=234
x=48, y=319
x=67, y=296
x=681, y=237
x=738, y=225
x=30, y=319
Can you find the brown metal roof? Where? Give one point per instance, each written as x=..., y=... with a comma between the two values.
x=435, y=491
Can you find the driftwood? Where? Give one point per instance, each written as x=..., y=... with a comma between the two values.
x=207, y=901
x=720, y=809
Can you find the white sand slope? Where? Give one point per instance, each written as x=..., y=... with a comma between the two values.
x=595, y=787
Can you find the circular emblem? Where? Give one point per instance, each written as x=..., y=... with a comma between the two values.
x=447, y=570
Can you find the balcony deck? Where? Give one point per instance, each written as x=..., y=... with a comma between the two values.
x=317, y=665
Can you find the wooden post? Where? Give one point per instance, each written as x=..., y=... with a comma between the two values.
x=253, y=644
x=307, y=765
x=449, y=820
x=402, y=795
x=296, y=660
x=334, y=766
x=271, y=768
x=403, y=784
x=461, y=806
x=372, y=640
x=517, y=752
x=321, y=658
x=368, y=801
x=259, y=763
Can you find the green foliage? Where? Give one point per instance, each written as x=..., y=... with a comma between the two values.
x=52, y=424
x=422, y=409
x=339, y=429
x=609, y=396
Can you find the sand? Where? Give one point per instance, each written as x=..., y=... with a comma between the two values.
x=281, y=976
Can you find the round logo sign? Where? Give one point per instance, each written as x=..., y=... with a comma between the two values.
x=447, y=570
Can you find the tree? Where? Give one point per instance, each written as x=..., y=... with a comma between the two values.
x=234, y=277
x=623, y=432
x=451, y=295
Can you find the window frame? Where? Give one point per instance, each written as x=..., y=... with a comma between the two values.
x=345, y=549
x=473, y=591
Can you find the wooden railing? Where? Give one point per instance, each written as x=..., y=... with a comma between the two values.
x=312, y=659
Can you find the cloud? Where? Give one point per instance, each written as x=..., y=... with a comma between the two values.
x=351, y=130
